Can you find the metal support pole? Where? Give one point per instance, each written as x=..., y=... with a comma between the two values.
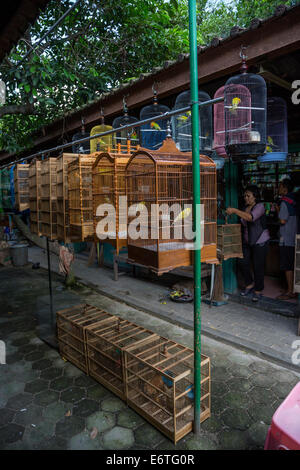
x=196, y=213
x=50, y=284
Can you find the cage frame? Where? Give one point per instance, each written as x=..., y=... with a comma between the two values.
x=48, y=198
x=34, y=196
x=132, y=356
x=169, y=155
x=21, y=193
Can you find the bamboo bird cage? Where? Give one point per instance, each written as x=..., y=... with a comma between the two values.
x=164, y=177
x=49, y=197
x=63, y=219
x=159, y=379
x=108, y=187
x=105, y=350
x=72, y=324
x=230, y=241
x=21, y=186
x=34, y=196
x=81, y=198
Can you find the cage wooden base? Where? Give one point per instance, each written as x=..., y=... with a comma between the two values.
x=72, y=324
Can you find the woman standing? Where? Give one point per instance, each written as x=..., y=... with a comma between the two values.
x=255, y=242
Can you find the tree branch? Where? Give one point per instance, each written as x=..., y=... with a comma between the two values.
x=17, y=109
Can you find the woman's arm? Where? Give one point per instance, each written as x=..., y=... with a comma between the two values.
x=243, y=215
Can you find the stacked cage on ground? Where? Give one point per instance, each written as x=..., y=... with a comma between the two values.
x=245, y=103
x=72, y=324
x=126, y=140
x=49, y=197
x=81, y=198
x=105, y=350
x=182, y=124
x=35, y=197
x=5, y=189
x=159, y=190
x=153, y=133
x=160, y=385
x=63, y=218
x=108, y=187
x=21, y=184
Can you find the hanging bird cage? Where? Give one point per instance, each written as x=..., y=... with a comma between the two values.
x=245, y=116
x=21, y=184
x=277, y=132
x=108, y=186
x=182, y=124
x=164, y=177
x=49, y=198
x=219, y=124
x=63, y=219
x=82, y=147
x=128, y=139
x=153, y=133
x=159, y=376
x=104, y=143
x=34, y=197
x=81, y=198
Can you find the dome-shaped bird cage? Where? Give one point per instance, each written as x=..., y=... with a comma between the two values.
x=108, y=186
x=104, y=143
x=82, y=147
x=162, y=181
x=128, y=139
x=245, y=103
x=277, y=132
x=219, y=124
x=153, y=133
x=182, y=124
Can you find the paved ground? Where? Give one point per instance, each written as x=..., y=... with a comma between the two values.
x=47, y=403
x=252, y=328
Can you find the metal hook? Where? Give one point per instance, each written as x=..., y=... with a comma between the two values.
x=154, y=89
x=242, y=55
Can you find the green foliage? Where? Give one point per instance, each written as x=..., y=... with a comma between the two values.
x=100, y=45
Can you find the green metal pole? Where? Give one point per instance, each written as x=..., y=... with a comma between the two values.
x=196, y=214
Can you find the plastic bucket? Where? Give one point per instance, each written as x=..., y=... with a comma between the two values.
x=19, y=255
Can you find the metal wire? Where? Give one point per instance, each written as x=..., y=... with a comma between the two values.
x=118, y=129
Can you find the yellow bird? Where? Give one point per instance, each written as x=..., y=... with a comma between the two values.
x=155, y=126
x=235, y=102
x=183, y=214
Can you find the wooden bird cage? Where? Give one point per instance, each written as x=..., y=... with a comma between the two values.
x=21, y=186
x=230, y=241
x=63, y=219
x=297, y=266
x=108, y=186
x=105, y=350
x=34, y=197
x=164, y=177
x=81, y=198
x=72, y=324
x=160, y=385
x=49, y=197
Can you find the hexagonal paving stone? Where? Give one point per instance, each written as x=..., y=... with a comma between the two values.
x=33, y=356
x=51, y=373
x=285, y=376
x=261, y=367
x=10, y=433
x=262, y=395
x=148, y=436
x=219, y=388
x=241, y=371
x=32, y=414
x=262, y=413
x=239, y=384
x=73, y=394
x=236, y=400
x=72, y=371
x=236, y=419
x=59, y=362
x=102, y=420
x=83, y=441
x=62, y=383
x=97, y=392
x=6, y=416
x=27, y=348
x=257, y=434
x=57, y=410
x=12, y=358
x=85, y=408
x=36, y=386
x=42, y=364
x=213, y=424
x=10, y=389
x=282, y=390
x=200, y=443
x=53, y=443
x=69, y=426
x=118, y=438
x=46, y=397
x=221, y=374
x=20, y=342
x=262, y=380
x=84, y=381
x=129, y=419
x=233, y=440
x=20, y=401
x=112, y=404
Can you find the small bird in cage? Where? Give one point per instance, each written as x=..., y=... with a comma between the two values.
x=235, y=102
x=155, y=126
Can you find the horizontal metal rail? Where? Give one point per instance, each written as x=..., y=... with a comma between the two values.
x=118, y=129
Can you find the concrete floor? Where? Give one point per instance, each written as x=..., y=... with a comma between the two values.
x=47, y=403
